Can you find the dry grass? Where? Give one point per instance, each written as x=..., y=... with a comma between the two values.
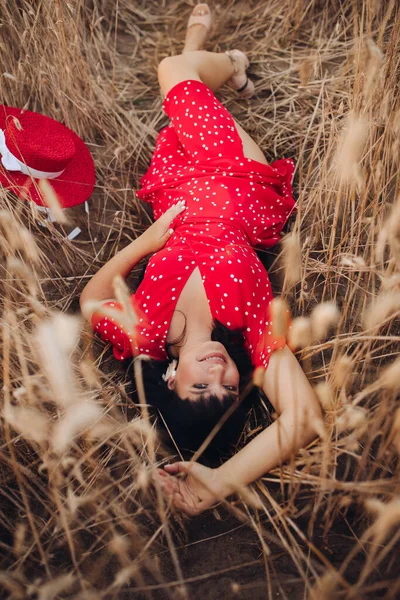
x=79, y=515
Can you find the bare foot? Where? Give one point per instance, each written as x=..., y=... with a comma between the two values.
x=198, y=27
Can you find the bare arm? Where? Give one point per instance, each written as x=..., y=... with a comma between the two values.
x=296, y=403
x=291, y=394
x=100, y=287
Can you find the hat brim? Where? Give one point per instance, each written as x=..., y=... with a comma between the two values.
x=72, y=187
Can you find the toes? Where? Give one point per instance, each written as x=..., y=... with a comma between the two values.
x=200, y=10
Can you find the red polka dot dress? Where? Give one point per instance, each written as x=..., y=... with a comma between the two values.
x=233, y=204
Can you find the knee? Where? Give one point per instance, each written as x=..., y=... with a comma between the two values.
x=165, y=70
x=167, y=66
x=174, y=69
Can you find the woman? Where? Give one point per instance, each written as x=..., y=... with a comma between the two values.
x=215, y=199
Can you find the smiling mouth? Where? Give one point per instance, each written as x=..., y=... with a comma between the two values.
x=214, y=356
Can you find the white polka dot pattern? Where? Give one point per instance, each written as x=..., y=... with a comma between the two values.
x=233, y=204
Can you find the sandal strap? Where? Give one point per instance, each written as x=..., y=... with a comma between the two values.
x=241, y=89
x=200, y=20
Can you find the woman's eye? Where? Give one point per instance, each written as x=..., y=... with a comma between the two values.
x=200, y=386
x=231, y=388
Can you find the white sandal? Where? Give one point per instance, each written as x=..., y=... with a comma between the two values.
x=205, y=19
x=239, y=81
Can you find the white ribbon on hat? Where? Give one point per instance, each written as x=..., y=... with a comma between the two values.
x=11, y=163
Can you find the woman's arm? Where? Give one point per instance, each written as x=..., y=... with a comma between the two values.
x=291, y=394
x=100, y=287
x=289, y=391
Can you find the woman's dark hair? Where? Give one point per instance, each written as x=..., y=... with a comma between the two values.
x=187, y=422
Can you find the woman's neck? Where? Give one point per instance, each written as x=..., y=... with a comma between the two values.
x=192, y=316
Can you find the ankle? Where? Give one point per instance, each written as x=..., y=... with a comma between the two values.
x=239, y=80
x=192, y=44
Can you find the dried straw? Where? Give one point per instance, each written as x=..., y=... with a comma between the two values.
x=327, y=83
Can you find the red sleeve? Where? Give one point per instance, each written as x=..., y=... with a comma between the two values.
x=112, y=332
x=267, y=342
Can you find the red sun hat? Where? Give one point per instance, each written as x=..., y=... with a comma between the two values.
x=34, y=147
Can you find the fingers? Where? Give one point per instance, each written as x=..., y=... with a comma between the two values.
x=160, y=473
x=180, y=503
x=168, y=484
x=173, y=493
x=178, y=207
x=167, y=218
x=169, y=487
x=175, y=210
x=167, y=234
x=176, y=491
x=178, y=467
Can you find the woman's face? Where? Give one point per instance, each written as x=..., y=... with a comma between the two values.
x=205, y=369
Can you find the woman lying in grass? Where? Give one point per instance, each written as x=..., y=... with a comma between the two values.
x=203, y=303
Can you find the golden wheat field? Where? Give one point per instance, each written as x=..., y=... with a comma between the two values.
x=79, y=514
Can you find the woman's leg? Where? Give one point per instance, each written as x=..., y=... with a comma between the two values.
x=212, y=68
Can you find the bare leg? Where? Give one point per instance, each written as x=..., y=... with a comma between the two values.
x=250, y=148
x=214, y=69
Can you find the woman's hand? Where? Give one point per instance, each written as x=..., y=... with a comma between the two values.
x=200, y=489
x=158, y=234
